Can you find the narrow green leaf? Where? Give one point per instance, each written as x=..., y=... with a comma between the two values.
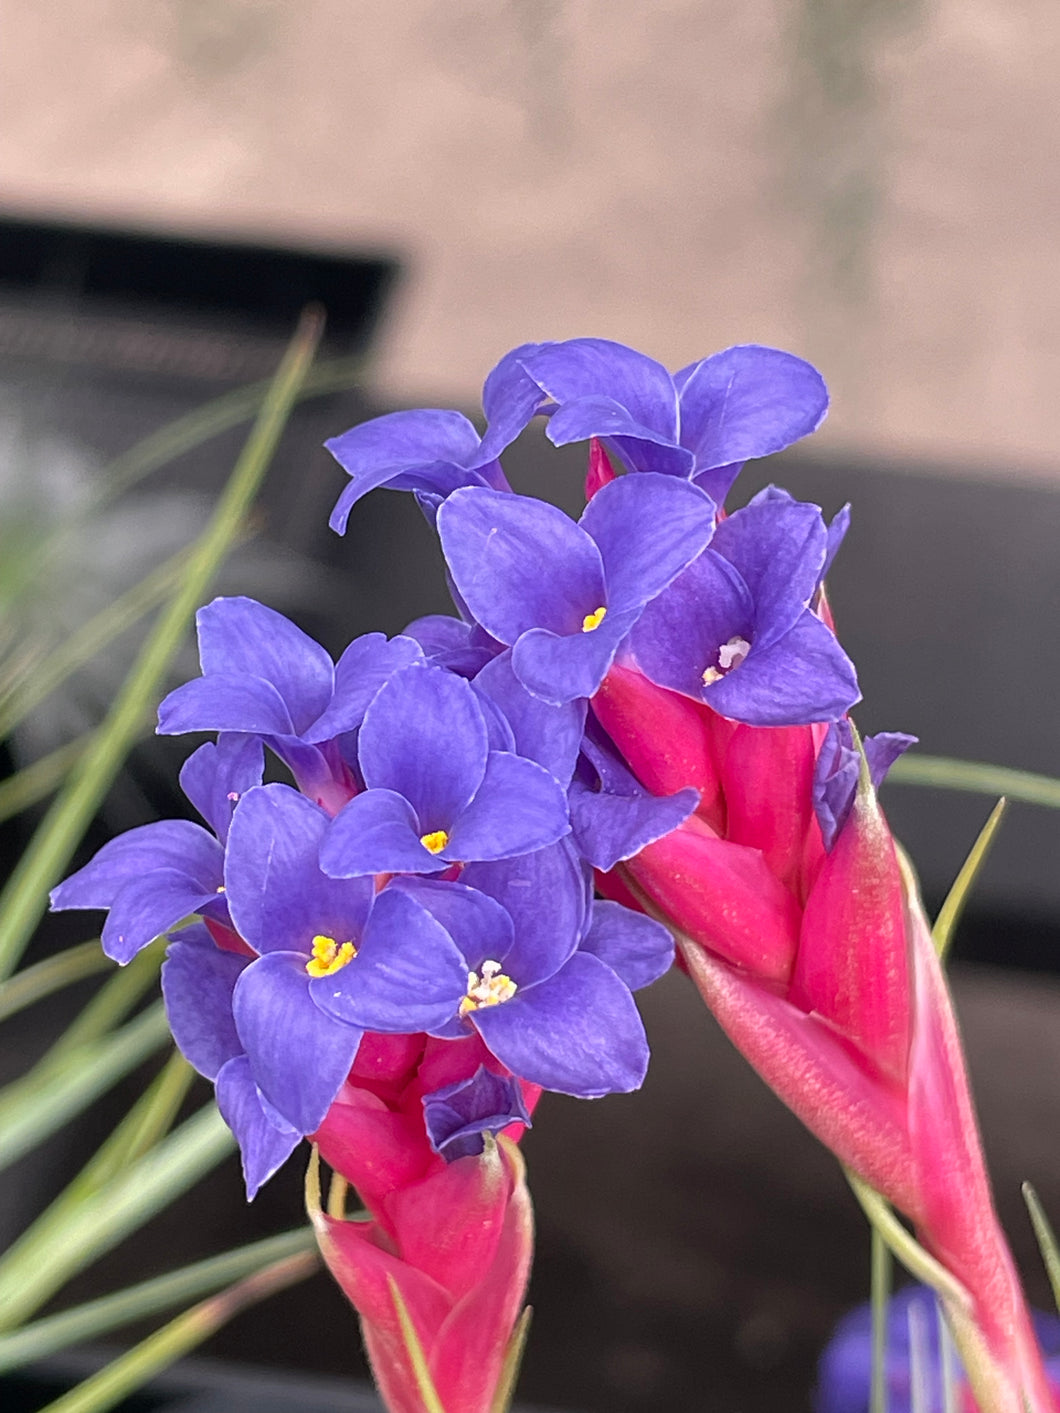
x=43, y=979
x=881, y=1272
x=41, y=1262
x=951, y=1392
x=957, y=897
x=123, y=989
x=905, y=1247
x=153, y=1297
x=977, y=777
x=34, y=783
x=1046, y=1239
x=43, y=1101
x=112, y=1384
x=90, y=639
x=414, y=1349
x=24, y=898
x=513, y=1358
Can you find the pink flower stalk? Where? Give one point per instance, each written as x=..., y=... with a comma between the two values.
x=821, y=969
x=453, y=1239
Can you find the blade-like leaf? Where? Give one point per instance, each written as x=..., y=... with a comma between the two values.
x=25, y=896
x=43, y=979
x=1046, y=1238
x=414, y=1349
x=957, y=897
x=977, y=777
x=881, y=1294
x=513, y=1358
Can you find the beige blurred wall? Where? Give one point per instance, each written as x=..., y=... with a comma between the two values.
x=871, y=183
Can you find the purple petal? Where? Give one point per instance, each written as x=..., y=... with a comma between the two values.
x=216, y=776
x=367, y=663
x=748, y=401
x=299, y=1057
x=377, y=832
x=637, y=948
x=717, y=481
x=838, y=766
x=146, y=907
x=608, y=827
x=264, y=1146
x=545, y=936
x=640, y=447
x=458, y=1115
x=171, y=844
x=598, y=368
x=461, y=647
x=242, y=638
x=277, y=895
x=562, y=669
x=408, y=974
x=837, y=531
x=804, y=677
x=680, y=633
x=197, y=983
x=519, y=563
x=576, y=1033
x=647, y=529
x=542, y=732
x=510, y=400
x=424, y=737
x=224, y=702
x=478, y=925
x=376, y=452
x=519, y=807
x=778, y=546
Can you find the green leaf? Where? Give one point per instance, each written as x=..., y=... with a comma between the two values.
x=977, y=777
x=43, y=979
x=46, y=1256
x=513, y=1358
x=112, y=1384
x=414, y=1349
x=43, y=1101
x=904, y=1246
x=34, y=783
x=25, y=896
x=153, y=1297
x=957, y=897
x=881, y=1294
x=1046, y=1238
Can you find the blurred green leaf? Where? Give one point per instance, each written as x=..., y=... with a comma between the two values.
x=186, y=1332
x=45, y=1257
x=977, y=777
x=153, y=1297
x=513, y=1358
x=414, y=1349
x=1046, y=1239
x=880, y=1286
x=43, y=979
x=36, y=782
x=24, y=898
x=957, y=897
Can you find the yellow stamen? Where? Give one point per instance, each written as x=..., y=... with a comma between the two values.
x=489, y=989
x=593, y=620
x=435, y=841
x=711, y=675
x=730, y=655
x=329, y=956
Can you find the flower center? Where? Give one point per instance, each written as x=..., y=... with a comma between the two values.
x=593, y=620
x=730, y=655
x=489, y=989
x=435, y=841
x=329, y=956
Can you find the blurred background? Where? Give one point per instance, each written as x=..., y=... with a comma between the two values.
x=872, y=184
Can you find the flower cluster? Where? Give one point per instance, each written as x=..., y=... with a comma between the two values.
x=397, y=951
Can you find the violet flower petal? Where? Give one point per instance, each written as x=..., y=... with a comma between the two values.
x=609, y=827
x=563, y=669
x=367, y=663
x=518, y=808
x=218, y=774
x=299, y=1056
x=778, y=546
x=263, y=1146
x=377, y=832
x=541, y=731
x=576, y=1033
x=457, y=1116
x=637, y=948
x=544, y=936
x=198, y=979
x=172, y=844
x=599, y=368
x=804, y=677
x=477, y=924
x=225, y=701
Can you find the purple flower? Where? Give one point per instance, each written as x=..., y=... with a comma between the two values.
x=547, y=989
x=151, y=877
x=565, y=595
x=458, y=1116
x=701, y=423
x=437, y=793
x=735, y=630
x=612, y=816
x=430, y=452
x=835, y=780
x=263, y=676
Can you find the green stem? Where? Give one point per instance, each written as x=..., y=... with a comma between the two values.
x=977, y=777
x=153, y=1297
x=186, y=1332
x=41, y=980
x=881, y=1294
x=24, y=898
x=46, y=1256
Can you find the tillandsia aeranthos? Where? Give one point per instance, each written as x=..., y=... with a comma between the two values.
x=395, y=953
